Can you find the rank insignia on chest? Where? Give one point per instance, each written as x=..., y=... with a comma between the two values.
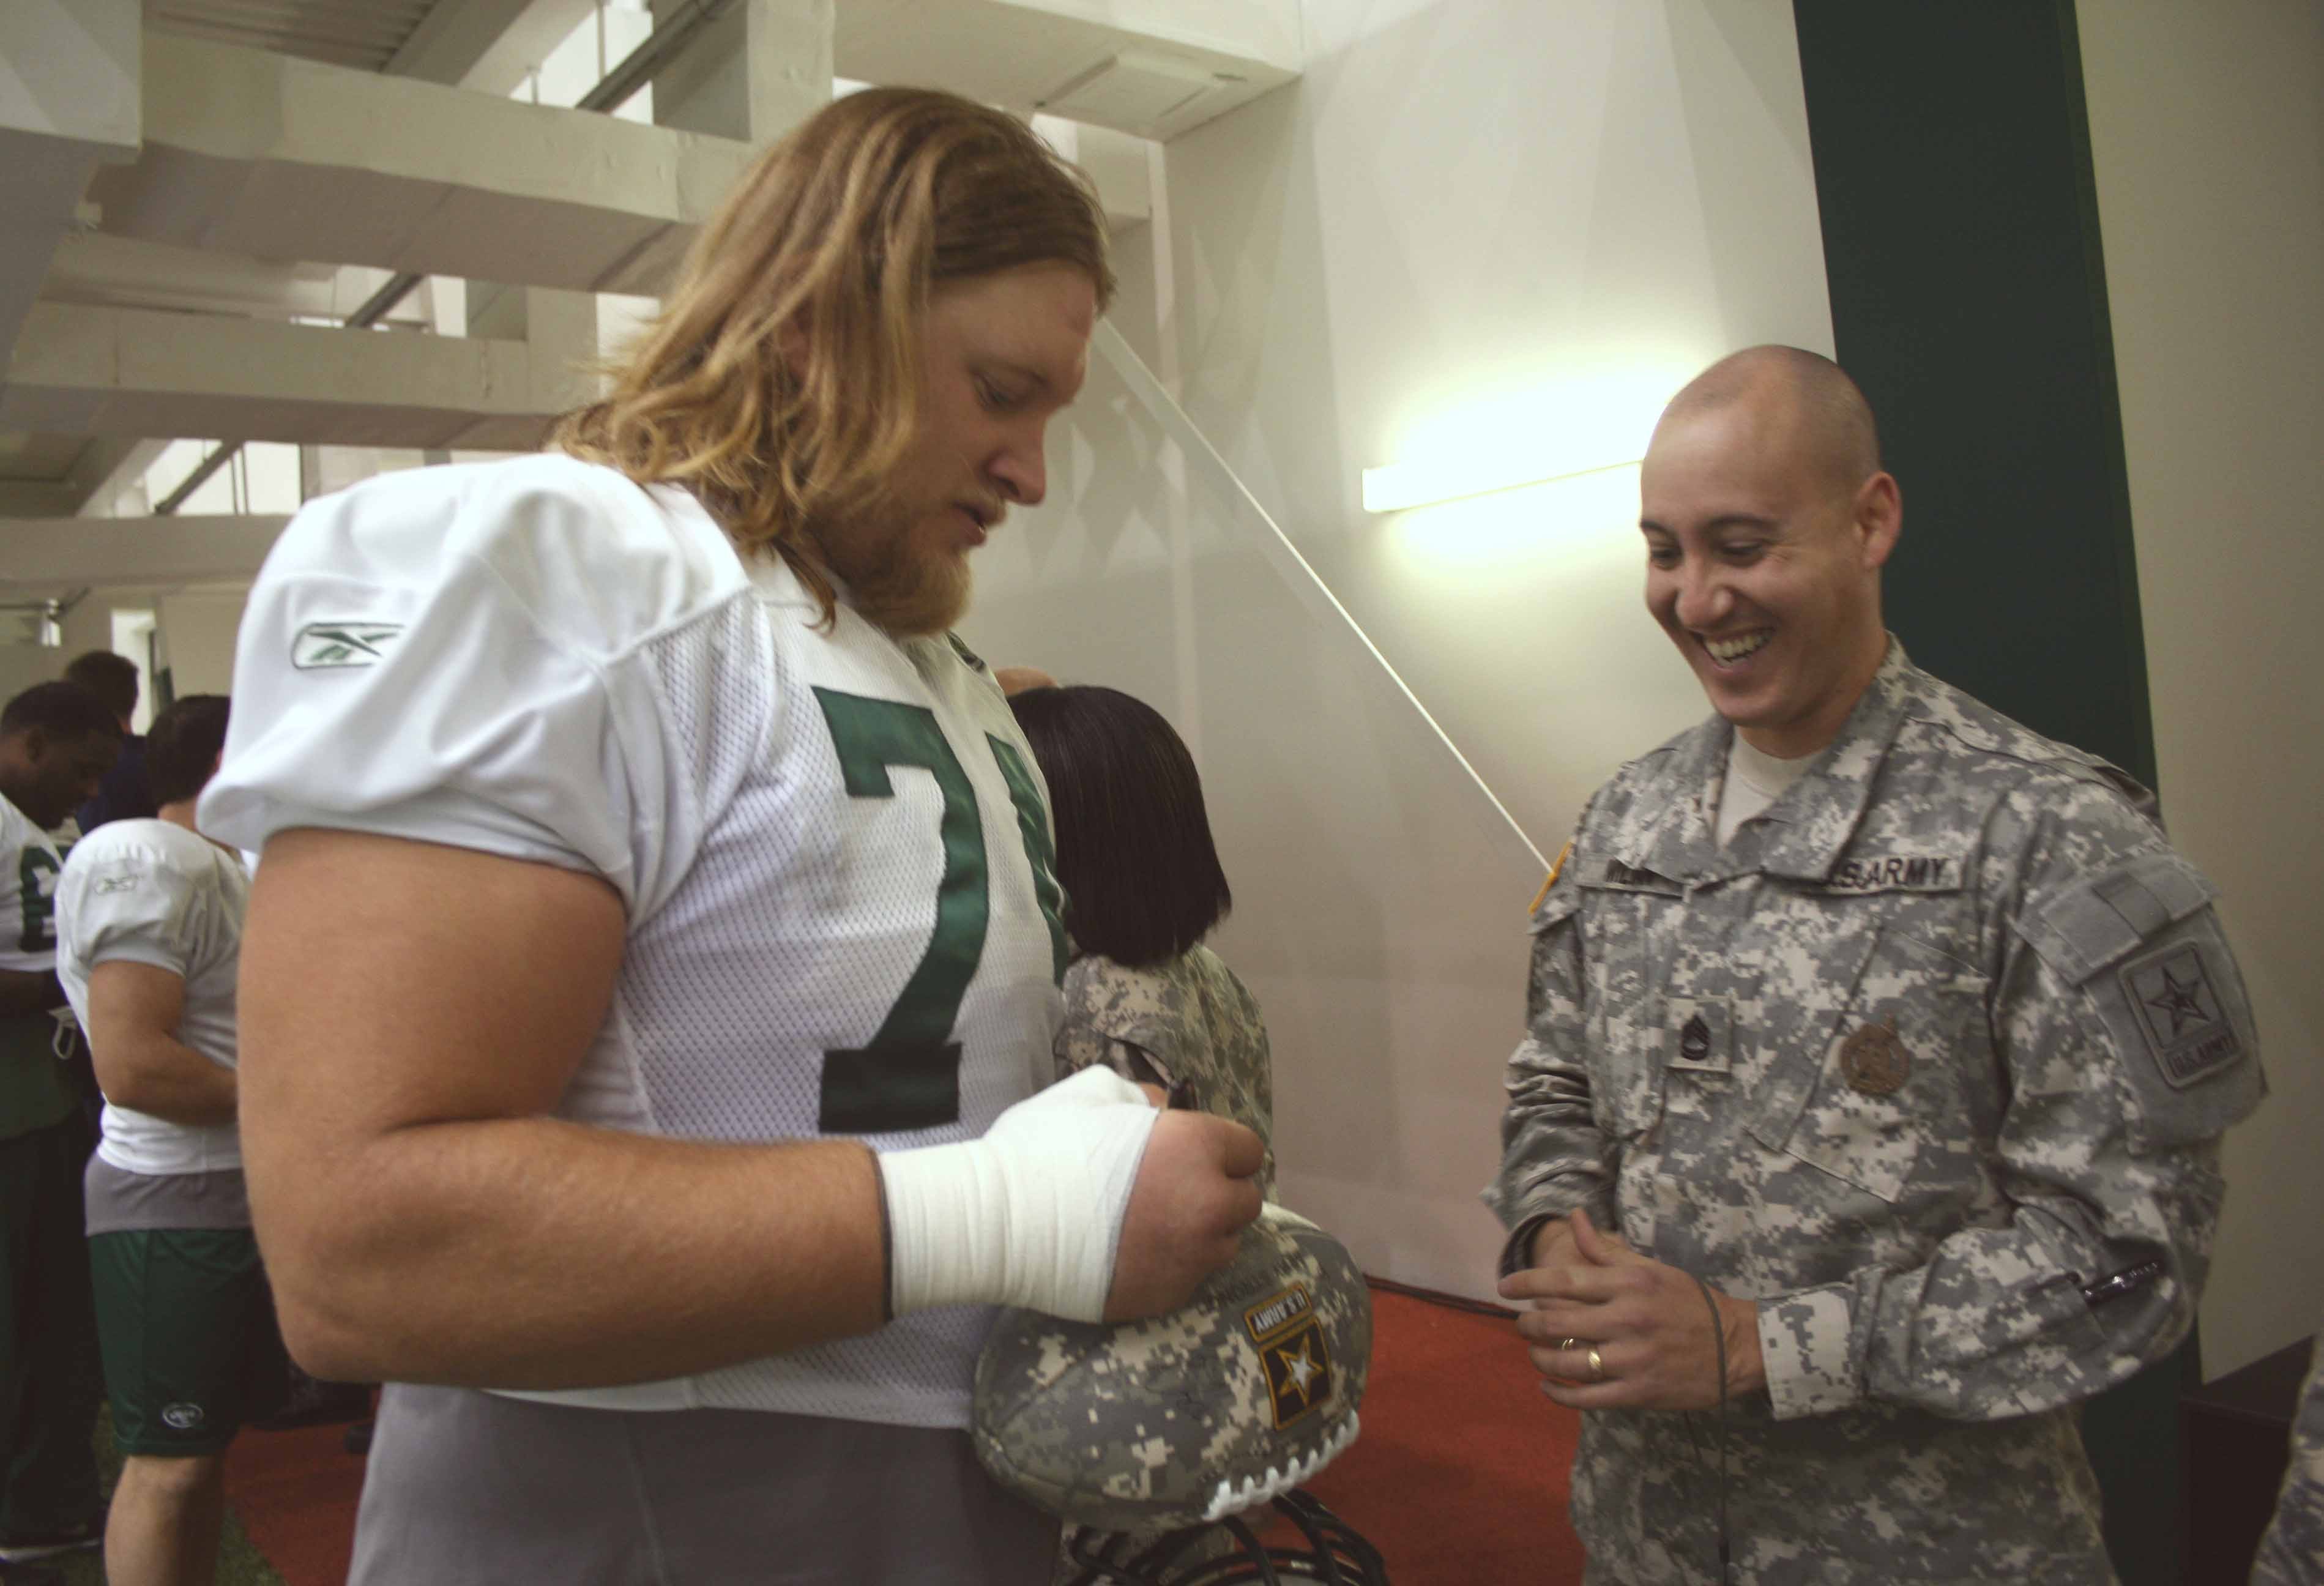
x=1875, y=1062
x=1697, y=1034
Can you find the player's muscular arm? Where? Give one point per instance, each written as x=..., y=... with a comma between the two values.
x=26, y=990
x=134, y=1009
x=409, y=1016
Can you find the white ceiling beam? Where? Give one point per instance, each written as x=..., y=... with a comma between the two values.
x=754, y=73
x=133, y=372
x=36, y=498
x=106, y=468
x=45, y=556
x=1154, y=68
x=101, y=467
x=91, y=267
x=69, y=101
x=536, y=29
x=277, y=158
x=457, y=37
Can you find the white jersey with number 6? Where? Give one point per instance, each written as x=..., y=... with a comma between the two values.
x=833, y=846
x=29, y=866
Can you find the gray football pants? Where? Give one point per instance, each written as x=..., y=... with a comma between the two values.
x=468, y=1488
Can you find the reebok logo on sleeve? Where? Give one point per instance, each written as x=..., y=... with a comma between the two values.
x=320, y=646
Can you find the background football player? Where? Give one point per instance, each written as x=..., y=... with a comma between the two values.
x=148, y=931
x=56, y=741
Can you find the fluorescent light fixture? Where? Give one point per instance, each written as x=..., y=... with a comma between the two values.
x=1566, y=425
x=1425, y=481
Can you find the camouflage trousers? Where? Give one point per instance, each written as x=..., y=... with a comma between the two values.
x=1873, y=1493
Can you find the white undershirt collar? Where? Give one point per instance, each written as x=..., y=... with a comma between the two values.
x=1754, y=780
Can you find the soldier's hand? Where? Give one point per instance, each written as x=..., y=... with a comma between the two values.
x=1552, y=1244
x=1197, y=1187
x=1645, y=1320
x=1556, y=1235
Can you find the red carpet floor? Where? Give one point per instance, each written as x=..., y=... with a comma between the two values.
x=295, y=1494
x=1459, y=1478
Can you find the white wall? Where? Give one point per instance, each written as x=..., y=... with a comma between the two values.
x=23, y=665
x=2207, y=132
x=1466, y=214
x=197, y=628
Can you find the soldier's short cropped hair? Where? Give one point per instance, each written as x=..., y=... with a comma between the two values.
x=182, y=748
x=1140, y=872
x=111, y=678
x=63, y=711
x=1835, y=423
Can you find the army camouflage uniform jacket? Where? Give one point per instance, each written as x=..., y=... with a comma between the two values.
x=1188, y=1023
x=2292, y=1554
x=1931, y=1061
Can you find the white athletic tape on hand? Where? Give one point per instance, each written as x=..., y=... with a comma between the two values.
x=1029, y=1215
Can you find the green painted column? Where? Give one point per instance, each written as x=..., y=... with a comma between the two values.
x=1952, y=169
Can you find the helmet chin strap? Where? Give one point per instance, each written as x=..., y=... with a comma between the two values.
x=1228, y=1552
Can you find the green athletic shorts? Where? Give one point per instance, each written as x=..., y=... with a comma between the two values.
x=186, y=1326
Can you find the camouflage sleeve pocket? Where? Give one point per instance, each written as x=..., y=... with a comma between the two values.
x=2141, y=942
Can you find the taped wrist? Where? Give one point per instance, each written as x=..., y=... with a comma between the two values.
x=1029, y=1215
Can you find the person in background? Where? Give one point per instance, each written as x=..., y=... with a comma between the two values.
x=56, y=741
x=122, y=794
x=2292, y=1553
x=1878, y=1050
x=149, y=932
x=1143, y=887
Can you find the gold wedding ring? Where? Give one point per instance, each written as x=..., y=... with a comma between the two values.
x=1597, y=1366
x=1569, y=1344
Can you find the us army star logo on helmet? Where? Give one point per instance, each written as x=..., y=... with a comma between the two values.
x=1873, y=1060
x=1291, y=1339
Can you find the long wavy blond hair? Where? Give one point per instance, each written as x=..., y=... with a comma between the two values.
x=830, y=246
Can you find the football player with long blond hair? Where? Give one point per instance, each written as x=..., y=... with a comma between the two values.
x=654, y=952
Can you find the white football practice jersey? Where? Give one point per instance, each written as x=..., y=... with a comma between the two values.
x=29, y=866
x=150, y=893
x=833, y=844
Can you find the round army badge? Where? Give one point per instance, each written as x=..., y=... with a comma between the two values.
x=1873, y=1060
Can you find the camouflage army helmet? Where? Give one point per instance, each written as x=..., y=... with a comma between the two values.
x=1242, y=1394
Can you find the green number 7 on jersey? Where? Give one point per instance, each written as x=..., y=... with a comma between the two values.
x=908, y=1076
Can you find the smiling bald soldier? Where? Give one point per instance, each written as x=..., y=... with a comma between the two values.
x=1878, y=1053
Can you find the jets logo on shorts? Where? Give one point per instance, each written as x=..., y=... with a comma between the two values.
x=320, y=646
x=1291, y=1339
x=181, y=1417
